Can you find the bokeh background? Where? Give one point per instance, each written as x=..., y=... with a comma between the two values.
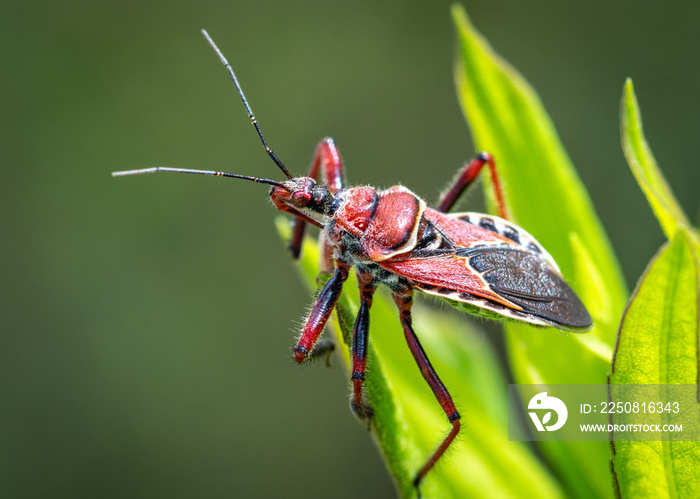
x=147, y=322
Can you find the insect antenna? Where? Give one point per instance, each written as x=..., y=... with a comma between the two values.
x=197, y=172
x=253, y=120
x=247, y=106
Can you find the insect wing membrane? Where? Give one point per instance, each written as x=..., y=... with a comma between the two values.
x=525, y=278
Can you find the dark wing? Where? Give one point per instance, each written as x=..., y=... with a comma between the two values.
x=525, y=278
x=509, y=280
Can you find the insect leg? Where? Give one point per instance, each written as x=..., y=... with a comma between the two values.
x=320, y=312
x=326, y=258
x=465, y=179
x=360, y=344
x=327, y=160
x=331, y=165
x=404, y=301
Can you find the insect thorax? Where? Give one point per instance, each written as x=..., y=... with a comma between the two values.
x=350, y=251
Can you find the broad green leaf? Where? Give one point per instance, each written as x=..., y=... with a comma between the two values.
x=658, y=338
x=409, y=424
x=546, y=198
x=658, y=344
x=643, y=165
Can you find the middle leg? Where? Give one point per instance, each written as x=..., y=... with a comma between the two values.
x=360, y=345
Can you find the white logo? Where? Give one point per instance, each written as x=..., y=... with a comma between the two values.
x=542, y=401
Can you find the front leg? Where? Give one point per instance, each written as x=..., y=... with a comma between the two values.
x=328, y=162
x=320, y=313
x=467, y=177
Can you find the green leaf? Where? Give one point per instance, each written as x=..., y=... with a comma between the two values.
x=409, y=424
x=647, y=172
x=546, y=198
x=658, y=337
x=658, y=344
x=643, y=165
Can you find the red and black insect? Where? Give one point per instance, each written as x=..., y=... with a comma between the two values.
x=481, y=263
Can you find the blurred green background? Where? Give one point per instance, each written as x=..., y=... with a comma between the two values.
x=147, y=322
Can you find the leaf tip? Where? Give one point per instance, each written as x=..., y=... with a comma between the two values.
x=629, y=86
x=629, y=111
x=459, y=13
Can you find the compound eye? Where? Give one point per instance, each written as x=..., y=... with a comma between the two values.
x=361, y=225
x=301, y=198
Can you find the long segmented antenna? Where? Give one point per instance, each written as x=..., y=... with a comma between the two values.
x=247, y=106
x=197, y=172
x=215, y=173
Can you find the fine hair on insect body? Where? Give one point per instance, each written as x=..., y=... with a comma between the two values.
x=482, y=264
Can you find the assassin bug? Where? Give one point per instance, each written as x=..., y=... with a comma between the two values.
x=481, y=263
